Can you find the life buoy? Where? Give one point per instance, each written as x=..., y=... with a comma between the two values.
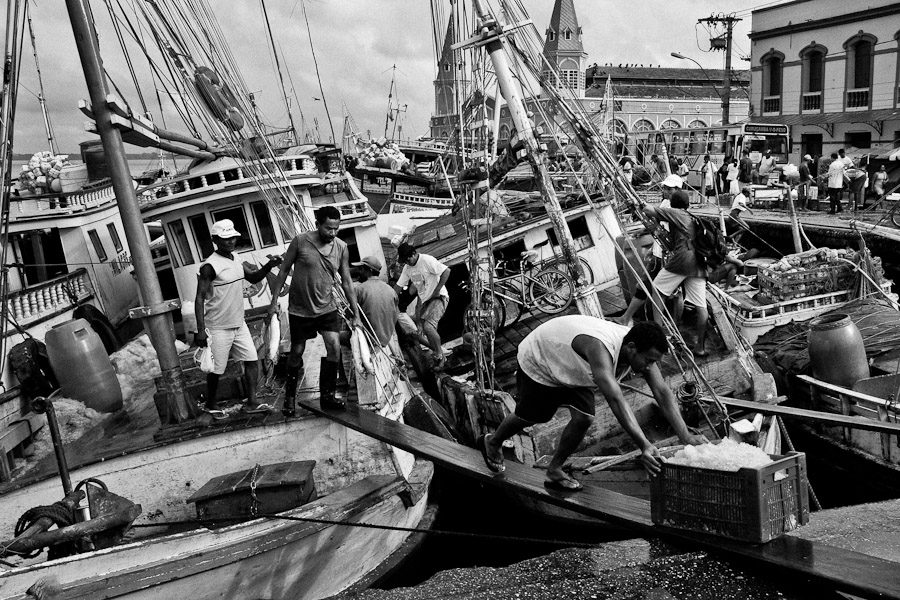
x=218, y=98
x=100, y=324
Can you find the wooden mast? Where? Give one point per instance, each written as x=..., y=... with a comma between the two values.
x=490, y=36
x=170, y=386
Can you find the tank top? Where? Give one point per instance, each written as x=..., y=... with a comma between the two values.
x=224, y=309
x=546, y=354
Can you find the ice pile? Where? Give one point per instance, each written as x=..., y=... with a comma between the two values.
x=727, y=455
x=137, y=365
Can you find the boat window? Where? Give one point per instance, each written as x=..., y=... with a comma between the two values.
x=349, y=237
x=98, y=245
x=581, y=234
x=201, y=234
x=264, y=225
x=180, y=242
x=114, y=236
x=237, y=216
x=41, y=254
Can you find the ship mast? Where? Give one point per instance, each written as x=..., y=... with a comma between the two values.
x=490, y=35
x=158, y=321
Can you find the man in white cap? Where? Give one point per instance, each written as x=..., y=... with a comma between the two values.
x=668, y=186
x=219, y=308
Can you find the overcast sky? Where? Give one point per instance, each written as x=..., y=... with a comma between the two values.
x=356, y=43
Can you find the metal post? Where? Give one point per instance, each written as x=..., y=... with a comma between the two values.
x=158, y=322
x=585, y=297
x=726, y=97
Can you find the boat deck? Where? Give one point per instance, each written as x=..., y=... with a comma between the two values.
x=846, y=570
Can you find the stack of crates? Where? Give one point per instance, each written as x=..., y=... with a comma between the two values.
x=811, y=276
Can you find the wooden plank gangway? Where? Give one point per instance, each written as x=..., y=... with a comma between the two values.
x=852, y=572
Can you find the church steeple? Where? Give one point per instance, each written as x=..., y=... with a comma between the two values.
x=563, y=46
x=450, y=74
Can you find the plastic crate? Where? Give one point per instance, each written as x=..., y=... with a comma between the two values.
x=751, y=505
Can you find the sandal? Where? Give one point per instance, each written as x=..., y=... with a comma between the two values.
x=258, y=409
x=216, y=414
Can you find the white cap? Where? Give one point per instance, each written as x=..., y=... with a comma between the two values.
x=807, y=157
x=673, y=181
x=224, y=229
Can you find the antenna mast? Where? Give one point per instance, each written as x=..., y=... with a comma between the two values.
x=284, y=95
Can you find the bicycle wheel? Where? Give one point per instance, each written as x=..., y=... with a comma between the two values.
x=512, y=311
x=895, y=218
x=561, y=265
x=551, y=291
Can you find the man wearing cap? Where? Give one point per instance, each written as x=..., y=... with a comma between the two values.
x=681, y=268
x=378, y=302
x=219, y=308
x=317, y=258
x=669, y=185
x=429, y=276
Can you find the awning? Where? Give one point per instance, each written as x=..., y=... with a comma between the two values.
x=859, y=116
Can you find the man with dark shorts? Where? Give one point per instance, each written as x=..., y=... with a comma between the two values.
x=316, y=257
x=563, y=363
x=219, y=308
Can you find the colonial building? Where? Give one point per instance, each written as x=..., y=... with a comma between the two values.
x=830, y=71
x=644, y=97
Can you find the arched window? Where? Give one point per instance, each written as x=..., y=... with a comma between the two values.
x=503, y=135
x=620, y=127
x=812, y=59
x=670, y=124
x=642, y=125
x=567, y=34
x=860, y=56
x=570, y=75
x=772, y=66
x=551, y=35
x=696, y=123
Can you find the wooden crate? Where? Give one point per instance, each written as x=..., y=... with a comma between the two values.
x=279, y=487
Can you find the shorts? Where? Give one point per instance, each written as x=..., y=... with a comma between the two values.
x=433, y=311
x=306, y=328
x=406, y=323
x=537, y=403
x=666, y=282
x=236, y=343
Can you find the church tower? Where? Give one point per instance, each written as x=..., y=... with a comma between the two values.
x=450, y=77
x=563, y=47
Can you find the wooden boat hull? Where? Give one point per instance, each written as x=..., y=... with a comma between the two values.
x=357, y=480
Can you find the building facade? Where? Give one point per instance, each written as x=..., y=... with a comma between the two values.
x=644, y=97
x=830, y=71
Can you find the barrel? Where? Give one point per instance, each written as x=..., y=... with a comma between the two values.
x=94, y=158
x=79, y=359
x=627, y=278
x=836, y=351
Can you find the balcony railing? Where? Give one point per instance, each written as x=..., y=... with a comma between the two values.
x=49, y=205
x=858, y=98
x=49, y=298
x=771, y=104
x=812, y=101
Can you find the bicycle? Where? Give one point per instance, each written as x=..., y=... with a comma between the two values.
x=558, y=261
x=517, y=290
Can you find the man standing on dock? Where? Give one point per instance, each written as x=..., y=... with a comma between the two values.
x=430, y=277
x=835, y=182
x=316, y=257
x=219, y=308
x=563, y=363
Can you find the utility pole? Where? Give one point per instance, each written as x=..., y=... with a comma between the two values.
x=718, y=43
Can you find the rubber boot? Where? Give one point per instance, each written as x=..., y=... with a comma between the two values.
x=328, y=372
x=289, y=408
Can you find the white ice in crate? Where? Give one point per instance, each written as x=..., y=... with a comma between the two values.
x=727, y=455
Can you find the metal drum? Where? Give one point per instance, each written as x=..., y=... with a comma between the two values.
x=836, y=351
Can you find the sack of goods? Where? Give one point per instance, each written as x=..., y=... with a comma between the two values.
x=41, y=174
x=814, y=272
x=382, y=155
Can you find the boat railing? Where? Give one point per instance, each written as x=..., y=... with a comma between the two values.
x=426, y=201
x=226, y=177
x=48, y=205
x=353, y=209
x=49, y=298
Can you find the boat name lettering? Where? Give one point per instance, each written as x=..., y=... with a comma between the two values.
x=121, y=263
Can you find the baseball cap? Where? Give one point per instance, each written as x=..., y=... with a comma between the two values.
x=224, y=229
x=404, y=251
x=673, y=181
x=369, y=261
x=807, y=157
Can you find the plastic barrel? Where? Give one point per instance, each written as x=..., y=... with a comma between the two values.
x=82, y=366
x=93, y=156
x=836, y=351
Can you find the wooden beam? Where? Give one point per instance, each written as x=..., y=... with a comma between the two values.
x=825, y=418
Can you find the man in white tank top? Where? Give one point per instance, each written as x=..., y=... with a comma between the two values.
x=563, y=363
x=219, y=307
